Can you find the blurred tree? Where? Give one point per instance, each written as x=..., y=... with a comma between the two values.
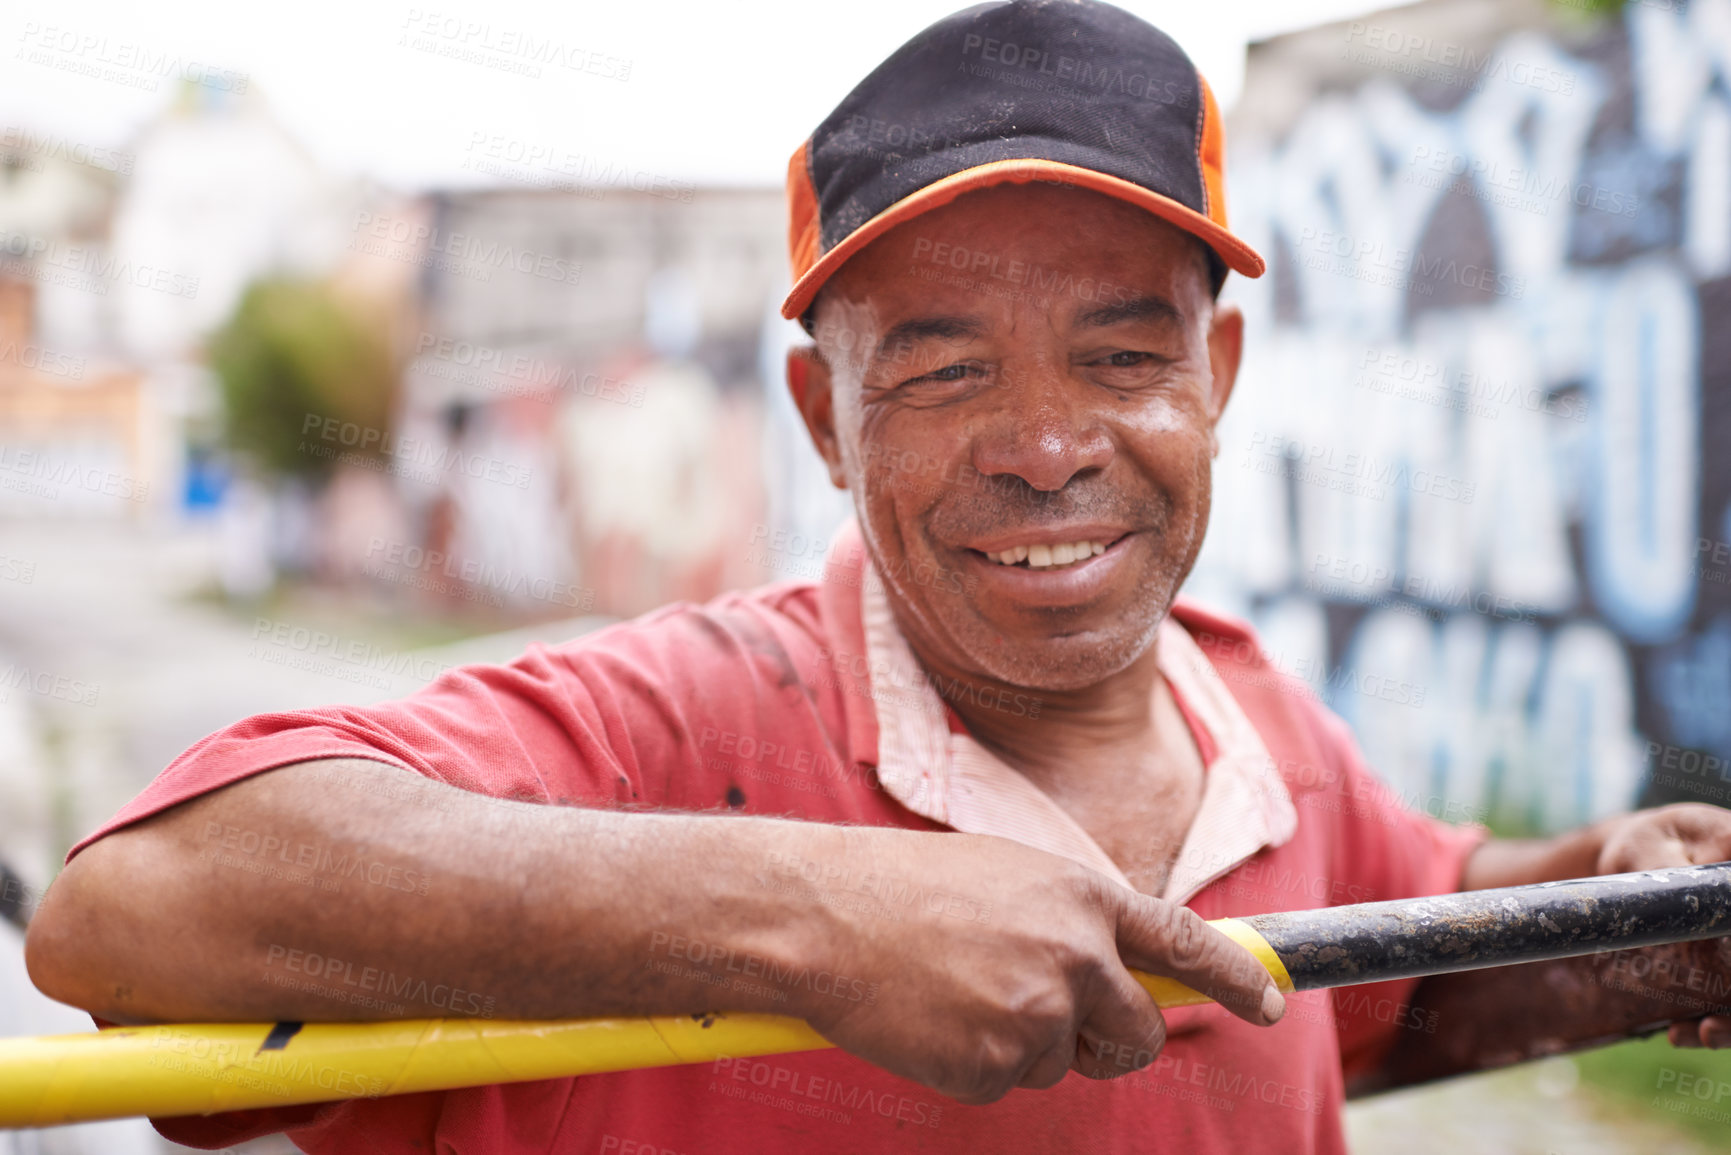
x=1598, y=7
x=295, y=357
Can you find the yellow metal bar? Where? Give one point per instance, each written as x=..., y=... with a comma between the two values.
x=201, y=1068
x=1170, y=993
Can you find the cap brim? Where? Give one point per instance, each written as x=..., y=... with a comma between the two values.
x=1239, y=257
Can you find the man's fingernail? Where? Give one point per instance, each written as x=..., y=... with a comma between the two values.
x=1273, y=1005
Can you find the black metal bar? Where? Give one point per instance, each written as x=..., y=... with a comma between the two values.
x=1343, y=945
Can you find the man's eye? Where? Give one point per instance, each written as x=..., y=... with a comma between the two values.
x=956, y=372
x=1128, y=360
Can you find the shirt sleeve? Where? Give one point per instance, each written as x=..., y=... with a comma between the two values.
x=612, y=719
x=1388, y=851
x=524, y=730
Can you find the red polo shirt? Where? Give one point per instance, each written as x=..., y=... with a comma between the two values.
x=764, y=702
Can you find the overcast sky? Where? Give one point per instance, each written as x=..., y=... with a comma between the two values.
x=710, y=91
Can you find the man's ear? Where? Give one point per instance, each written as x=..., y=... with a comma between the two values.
x=808, y=379
x=1225, y=351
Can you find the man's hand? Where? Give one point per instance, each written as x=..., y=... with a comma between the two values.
x=1687, y=834
x=1501, y=1015
x=974, y=1009
x=989, y=965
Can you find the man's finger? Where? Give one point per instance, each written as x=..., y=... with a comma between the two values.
x=1174, y=941
x=1123, y=1032
x=1706, y=830
x=1048, y=1070
x=1685, y=1034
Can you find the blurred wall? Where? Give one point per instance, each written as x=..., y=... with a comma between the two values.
x=1473, y=486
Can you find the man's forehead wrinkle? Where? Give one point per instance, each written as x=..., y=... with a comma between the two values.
x=949, y=327
x=1144, y=308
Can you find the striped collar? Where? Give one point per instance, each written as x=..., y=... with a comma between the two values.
x=951, y=779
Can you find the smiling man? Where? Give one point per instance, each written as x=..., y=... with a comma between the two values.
x=938, y=803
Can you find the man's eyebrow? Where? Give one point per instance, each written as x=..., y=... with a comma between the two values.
x=950, y=328
x=1136, y=309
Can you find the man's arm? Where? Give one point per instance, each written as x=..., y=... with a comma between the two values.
x=223, y=908
x=1495, y=1017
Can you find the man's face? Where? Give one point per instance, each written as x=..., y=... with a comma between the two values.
x=1020, y=390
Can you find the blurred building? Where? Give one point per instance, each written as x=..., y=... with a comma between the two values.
x=1473, y=485
x=115, y=265
x=590, y=357
x=74, y=417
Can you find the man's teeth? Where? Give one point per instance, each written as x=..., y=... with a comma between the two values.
x=1045, y=556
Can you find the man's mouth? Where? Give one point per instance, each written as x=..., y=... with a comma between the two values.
x=1048, y=556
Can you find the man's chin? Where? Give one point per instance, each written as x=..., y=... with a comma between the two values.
x=1063, y=664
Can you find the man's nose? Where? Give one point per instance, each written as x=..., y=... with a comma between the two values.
x=1044, y=432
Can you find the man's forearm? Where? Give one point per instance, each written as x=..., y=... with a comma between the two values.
x=1523, y=861
x=1491, y=1018
x=353, y=890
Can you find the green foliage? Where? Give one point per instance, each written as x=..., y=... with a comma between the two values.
x=1591, y=7
x=294, y=354
x=1689, y=1088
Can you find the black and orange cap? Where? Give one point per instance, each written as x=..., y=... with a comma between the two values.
x=1061, y=91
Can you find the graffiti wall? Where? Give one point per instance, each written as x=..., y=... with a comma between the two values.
x=1474, y=486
